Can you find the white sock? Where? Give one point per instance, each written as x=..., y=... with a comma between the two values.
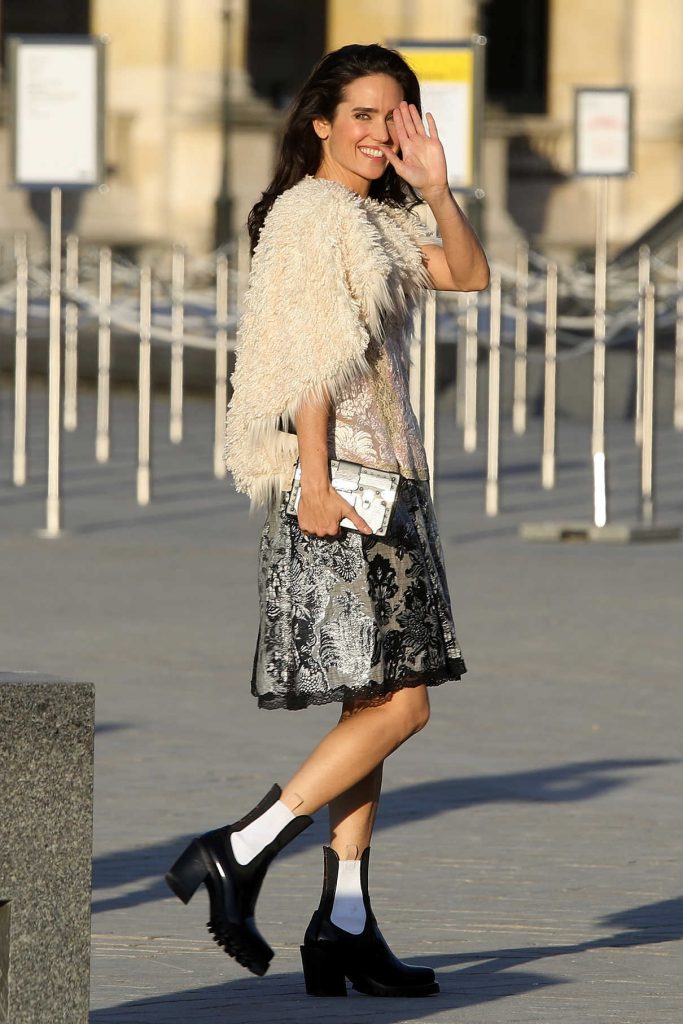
x=250, y=840
x=348, y=910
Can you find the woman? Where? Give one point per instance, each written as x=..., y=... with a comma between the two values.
x=346, y=616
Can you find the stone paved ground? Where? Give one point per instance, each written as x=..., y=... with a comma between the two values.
x=528, y=844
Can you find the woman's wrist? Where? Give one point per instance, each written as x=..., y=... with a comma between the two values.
x=314, y=485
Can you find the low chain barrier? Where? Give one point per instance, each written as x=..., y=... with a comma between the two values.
x=535, y=311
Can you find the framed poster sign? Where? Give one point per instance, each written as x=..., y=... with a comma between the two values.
x=451, y=80
x=603, y=132
x=57, y=111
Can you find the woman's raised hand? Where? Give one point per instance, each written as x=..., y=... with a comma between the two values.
x=321, y=512
x=422, y=162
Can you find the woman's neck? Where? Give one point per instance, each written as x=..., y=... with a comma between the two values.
x=359, y=185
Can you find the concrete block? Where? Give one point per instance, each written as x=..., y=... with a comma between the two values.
x=46, y=791
x=587, y=532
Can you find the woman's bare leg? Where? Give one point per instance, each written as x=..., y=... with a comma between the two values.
x=352, y=813
x=365, y=735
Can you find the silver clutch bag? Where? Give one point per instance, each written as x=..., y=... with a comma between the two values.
x=372, y=492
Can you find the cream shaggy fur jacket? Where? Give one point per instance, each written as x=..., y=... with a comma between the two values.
x=331, y=274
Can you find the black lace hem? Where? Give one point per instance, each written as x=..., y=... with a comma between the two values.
x=454, y=671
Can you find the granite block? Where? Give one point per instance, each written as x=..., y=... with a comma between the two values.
x=46, y=793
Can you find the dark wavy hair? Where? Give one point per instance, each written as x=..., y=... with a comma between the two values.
x=300, y=150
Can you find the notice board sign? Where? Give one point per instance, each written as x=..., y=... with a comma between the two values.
x=451, y=83
x=57, y=111
x=603, y=132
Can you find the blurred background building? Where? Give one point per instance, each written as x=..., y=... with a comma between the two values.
x=197, y=89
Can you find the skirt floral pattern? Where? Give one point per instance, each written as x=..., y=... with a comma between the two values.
x=354, y=617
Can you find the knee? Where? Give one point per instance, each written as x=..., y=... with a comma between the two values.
x=420, y=716
x=411, y=711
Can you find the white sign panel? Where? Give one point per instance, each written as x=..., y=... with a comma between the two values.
x=57, y=105
x=449, y=74
x=450, y=103
x=603, y=132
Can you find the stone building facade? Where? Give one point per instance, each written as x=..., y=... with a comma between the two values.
x=165, y=62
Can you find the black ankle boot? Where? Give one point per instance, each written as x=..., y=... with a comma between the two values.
x=233, y=888
x=330, y=954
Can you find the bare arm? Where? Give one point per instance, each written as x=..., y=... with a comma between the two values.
x=321, y=509
x=461, y=264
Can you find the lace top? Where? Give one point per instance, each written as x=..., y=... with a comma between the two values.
x=372, y=421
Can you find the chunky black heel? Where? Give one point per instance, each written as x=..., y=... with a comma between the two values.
x=233, y=888
x=322, y=974
x=188, y=872
x=330, y=954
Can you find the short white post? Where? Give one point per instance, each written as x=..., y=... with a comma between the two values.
x=53, y=523
x=460, y=360
x=599, y=330
x=493, y=456
x=429, y=432
x=471, y=358
x=643, y=282
x=103, y=358
x=678, y=358
x=521, y=336
x=415, y=373
x=646, y=468
x=20, y=361
x=549, y=402
x=144, y=387
x=177, y=328
x=71, y=337
x=221, y=398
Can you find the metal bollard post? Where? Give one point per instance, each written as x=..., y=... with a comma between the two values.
x=599, y=330
x=177, y=328
x=20, y=359
x=429, y=432
x=144, y=387
x=53, y=511
x=460, y=360
x=415, y=375
x=678, y=358
x=549, y=402
x=521, y=338
x=646, y=470
x=71, y=337
x=243, y=267
x=643, y=282
x=221, y=399
x=471, y=357
x=103, y=358
x=492, y=465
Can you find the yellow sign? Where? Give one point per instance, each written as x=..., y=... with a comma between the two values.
x=437, y=64
x=446, y=73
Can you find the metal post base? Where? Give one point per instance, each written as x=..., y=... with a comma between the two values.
x=585, y=532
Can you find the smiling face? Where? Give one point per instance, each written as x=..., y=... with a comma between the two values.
x=363, y=118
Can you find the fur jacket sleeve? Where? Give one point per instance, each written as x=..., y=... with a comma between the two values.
x=331, y=271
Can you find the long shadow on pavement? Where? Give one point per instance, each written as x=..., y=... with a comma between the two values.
x=281, y=997
x=575, y=781
x=647, y=925
x=488, y=978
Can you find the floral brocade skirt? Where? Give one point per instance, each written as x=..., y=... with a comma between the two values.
x=354, y=617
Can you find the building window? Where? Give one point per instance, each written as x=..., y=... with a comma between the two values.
x=43, y=17
x=516, y=54
x=28, y=17
x=285, y=39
